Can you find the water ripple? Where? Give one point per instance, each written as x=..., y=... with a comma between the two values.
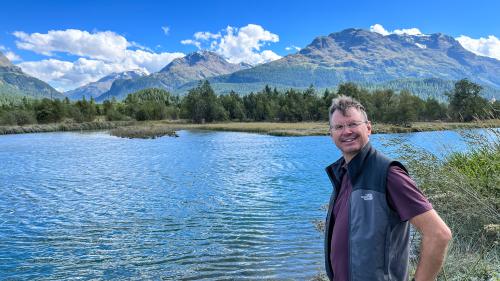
x=205, y=206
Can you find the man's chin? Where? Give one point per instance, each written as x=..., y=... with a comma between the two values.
x=351, y=146
x=350, y=150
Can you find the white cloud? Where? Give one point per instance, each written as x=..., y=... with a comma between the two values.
x=268, y=55
x=191, y=42
x=409, y=31
x=165, y=29
x=204, y=35
x=65, y=75
x=489, y=47
x=292, y=47
x=378, y=28
x=238, y=44
x=9, y=54
x=12, y=56
x=139, y=46
x=105, y=45
x=100, y=53
x=152, y=62
x=47, y=70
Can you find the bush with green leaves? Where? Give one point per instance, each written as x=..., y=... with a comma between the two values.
x=17, y=117
x=48, y=111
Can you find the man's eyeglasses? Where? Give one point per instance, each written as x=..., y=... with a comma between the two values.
x=341, y=127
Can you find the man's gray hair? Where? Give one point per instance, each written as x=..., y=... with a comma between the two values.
x=342, y=104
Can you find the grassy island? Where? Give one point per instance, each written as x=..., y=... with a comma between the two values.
x=143, y=132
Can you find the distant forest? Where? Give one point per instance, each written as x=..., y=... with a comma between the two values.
x=202, y=104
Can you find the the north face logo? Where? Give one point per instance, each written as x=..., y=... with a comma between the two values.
x=368, y=196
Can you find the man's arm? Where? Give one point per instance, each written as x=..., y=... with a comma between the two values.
x=435, y=237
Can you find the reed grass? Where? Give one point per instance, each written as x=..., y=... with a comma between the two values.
x=63, y=126
x=464, y=189
x=143, y=132
x=269, y=128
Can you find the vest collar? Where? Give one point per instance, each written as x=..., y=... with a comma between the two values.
x=335, y=173
x=355, y=165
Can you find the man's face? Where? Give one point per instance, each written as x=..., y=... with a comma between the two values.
x=350, y=133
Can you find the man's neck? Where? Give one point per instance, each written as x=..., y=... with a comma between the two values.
x=348, y=157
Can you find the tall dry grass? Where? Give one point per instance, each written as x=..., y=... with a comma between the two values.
x=464, y=188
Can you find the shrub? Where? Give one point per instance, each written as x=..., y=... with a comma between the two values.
x=49, y=111
x=7, y=118
x=114, y=115
x=24, y=117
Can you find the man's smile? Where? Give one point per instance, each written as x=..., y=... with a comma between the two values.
x=349, y=139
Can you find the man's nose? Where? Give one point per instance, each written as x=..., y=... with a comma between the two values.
x=346, y=130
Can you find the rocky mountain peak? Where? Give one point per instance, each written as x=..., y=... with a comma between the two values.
x=95, y=89
x=201, y=57
x=363, y=56
x=195, y=66
x=130, y=74
x=355, y=37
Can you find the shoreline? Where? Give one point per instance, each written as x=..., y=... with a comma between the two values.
x=62, y=127
x=268, y=128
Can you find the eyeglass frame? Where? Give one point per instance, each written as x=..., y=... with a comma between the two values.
x=351, y=125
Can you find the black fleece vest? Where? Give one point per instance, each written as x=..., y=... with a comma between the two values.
x=378, y=240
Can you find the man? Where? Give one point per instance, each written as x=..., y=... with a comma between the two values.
x=373, y=198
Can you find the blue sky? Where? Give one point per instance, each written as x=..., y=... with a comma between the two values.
x=70, y=43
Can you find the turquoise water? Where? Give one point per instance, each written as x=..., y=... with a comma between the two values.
x=204, y=206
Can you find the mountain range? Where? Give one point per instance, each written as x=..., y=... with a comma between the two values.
x=427, y=65
x=95, y=89
x=366, y=57
x=14, y=82
x=193, y=67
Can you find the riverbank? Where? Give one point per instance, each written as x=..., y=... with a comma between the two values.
x=154, y=128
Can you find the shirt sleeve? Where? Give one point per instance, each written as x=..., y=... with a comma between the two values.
x=404, y=196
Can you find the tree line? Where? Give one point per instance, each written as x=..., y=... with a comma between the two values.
x=202, y=104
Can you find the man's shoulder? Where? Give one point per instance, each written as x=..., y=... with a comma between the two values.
x=398, y=168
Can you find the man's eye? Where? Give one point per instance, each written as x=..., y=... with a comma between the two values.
x=339, y=127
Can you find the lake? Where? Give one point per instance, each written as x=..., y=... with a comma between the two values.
x=204, y=206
